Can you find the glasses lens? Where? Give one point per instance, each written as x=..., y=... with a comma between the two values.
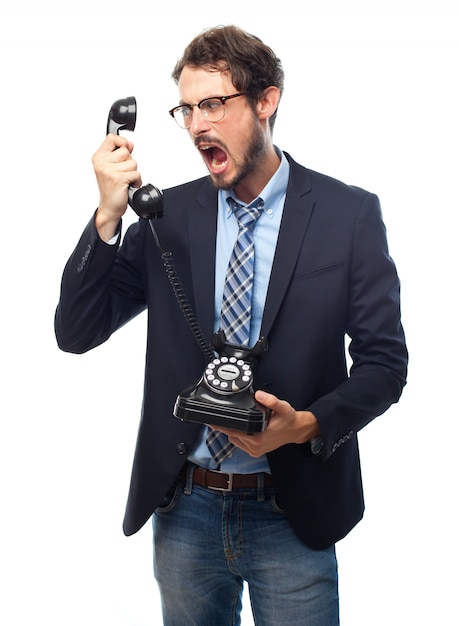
x=212, y=109
x=182, y=116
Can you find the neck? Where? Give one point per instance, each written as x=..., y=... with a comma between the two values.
x=252, y=185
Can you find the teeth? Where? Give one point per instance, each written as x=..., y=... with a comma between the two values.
x=216, y=165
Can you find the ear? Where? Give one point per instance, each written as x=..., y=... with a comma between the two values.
x=268, y=102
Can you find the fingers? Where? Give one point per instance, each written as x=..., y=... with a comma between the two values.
x=115, y=170
x=112, y=142
x=115, y=149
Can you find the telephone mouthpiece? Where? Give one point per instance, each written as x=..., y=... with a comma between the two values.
x=146, y=201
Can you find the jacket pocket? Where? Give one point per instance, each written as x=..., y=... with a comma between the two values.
x=318, y=271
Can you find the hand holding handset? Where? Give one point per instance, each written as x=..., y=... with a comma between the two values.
x=224, y=395
x=145, y=201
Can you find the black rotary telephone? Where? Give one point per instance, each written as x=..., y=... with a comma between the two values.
x=224, y=395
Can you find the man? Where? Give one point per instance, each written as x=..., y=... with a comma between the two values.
x=270, y=512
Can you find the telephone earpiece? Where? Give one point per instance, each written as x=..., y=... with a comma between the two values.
x=122, y=115
x=146, y=201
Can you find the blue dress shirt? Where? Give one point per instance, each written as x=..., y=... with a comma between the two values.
x=265, y=234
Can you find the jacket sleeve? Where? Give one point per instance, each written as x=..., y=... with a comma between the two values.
x=101, y=290
x=377, y=341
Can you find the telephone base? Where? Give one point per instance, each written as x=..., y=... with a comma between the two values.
x=250, y=420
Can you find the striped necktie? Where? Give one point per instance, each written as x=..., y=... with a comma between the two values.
x=237, y=301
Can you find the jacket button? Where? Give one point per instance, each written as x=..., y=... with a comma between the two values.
x=181, y=448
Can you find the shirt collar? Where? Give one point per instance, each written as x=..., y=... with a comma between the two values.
x=272, y=194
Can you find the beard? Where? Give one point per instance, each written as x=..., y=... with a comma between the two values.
x=247, y=164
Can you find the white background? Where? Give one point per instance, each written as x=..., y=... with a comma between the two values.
x=371, y=98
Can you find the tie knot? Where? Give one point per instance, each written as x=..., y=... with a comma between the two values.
x=246, y=216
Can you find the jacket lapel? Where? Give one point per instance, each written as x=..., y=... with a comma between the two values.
x=297, y=213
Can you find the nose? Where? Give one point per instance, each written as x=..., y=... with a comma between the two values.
x=199, y=123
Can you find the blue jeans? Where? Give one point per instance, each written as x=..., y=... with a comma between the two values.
x=207, y=543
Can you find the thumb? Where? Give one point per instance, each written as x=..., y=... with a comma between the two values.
x=267, y=399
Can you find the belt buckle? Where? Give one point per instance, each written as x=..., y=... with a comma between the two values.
x=229, y=486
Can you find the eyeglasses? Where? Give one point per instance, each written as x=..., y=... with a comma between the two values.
x=212, y=109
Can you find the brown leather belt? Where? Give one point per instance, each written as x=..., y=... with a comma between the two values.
x=222, y=481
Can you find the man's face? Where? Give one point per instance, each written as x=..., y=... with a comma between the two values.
x=232, y=148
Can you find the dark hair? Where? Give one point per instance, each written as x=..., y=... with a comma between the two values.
x=253, y=65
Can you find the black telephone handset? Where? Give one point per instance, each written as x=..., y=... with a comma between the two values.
x=224, y=395
x=146, y=201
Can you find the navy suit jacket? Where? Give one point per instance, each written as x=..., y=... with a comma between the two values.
x=332, y=276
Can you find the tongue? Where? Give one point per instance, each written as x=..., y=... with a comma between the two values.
x=218, y=155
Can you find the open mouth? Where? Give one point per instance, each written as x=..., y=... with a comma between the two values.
x=215, y=157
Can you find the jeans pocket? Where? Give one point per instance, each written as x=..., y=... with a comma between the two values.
x=170, y=500
x=275, y=505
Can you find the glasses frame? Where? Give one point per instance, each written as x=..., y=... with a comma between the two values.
x=223, y=100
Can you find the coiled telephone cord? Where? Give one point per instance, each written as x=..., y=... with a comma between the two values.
x=182, y=299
